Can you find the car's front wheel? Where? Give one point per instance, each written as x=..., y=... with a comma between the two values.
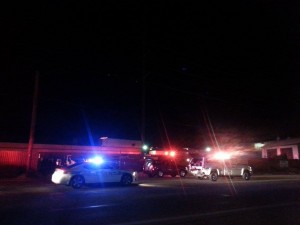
x=126, y=179
x=182, y=173
x=214, y=176
x=160, y=173
x=77, y=182
x=246, y=175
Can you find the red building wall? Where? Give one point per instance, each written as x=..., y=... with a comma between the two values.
x=15, y=154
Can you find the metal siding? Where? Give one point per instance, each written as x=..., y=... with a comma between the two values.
x=15, y=154
x=13, y=158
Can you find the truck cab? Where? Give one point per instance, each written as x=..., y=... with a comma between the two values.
x=161, y=167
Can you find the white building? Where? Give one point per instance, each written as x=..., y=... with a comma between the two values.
x=288, y=148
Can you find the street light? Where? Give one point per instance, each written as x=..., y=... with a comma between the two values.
x=145, y=148
x=208, y=149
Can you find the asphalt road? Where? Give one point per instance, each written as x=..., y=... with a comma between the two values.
x=269, y=199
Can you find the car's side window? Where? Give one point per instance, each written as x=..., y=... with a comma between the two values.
x=105, y=166
x=91, y=166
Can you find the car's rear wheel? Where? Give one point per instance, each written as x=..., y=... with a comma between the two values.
x=77, y=182
x=182, y=173
x=246, y=175
x=126, y=179
x=213, y=176
x=160, y=173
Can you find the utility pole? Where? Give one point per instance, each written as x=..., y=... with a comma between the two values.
x=32, y=127
x=143, y=109
x=144, y=76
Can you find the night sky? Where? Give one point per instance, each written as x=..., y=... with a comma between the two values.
x=188, y=69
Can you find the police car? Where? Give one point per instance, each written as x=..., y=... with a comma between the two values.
x=92, y=172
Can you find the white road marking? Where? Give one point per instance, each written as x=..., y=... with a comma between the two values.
x=84, y=207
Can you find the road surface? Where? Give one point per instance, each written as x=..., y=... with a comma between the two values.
x=269, y=199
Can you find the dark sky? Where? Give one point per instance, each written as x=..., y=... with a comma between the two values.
x=203, y=66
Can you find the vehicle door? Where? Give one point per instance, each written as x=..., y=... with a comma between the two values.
x=91, y=173
x=107, y=173
x=231, y=168
x=170, y=167
x=235, y=170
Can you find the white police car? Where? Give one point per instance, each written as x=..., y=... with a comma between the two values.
x=92, y=172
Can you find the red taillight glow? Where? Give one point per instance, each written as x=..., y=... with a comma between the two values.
x=171, y=153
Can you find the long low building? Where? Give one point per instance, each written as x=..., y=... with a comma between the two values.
x=288, y=148
x=16, y=154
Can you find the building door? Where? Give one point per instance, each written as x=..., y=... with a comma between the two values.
x=271, y=153
x=287, y=153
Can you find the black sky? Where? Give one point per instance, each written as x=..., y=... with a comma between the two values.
x=231, y=65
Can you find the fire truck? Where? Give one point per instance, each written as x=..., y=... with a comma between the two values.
x=160, y=163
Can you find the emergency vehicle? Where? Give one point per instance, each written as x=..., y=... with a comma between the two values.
x=160, y=163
